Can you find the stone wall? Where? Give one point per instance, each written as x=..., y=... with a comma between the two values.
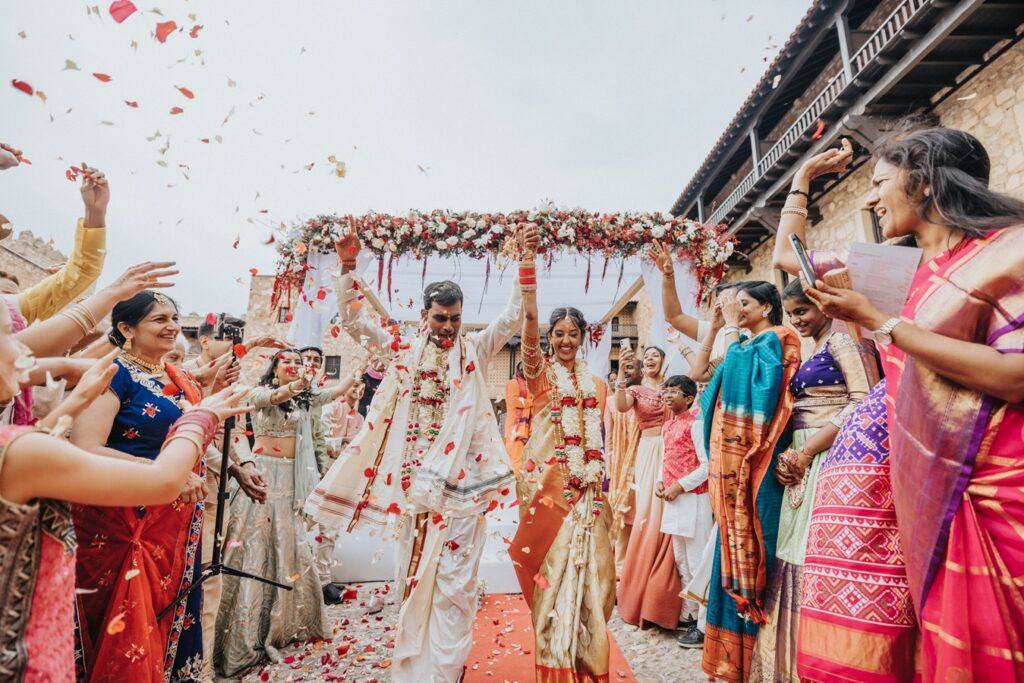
x=994, y=113
x=27, y=257
x=261, y=319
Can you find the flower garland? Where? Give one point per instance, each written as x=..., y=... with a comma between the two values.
x=576, y=417
x=483, y=235
x=429, y=397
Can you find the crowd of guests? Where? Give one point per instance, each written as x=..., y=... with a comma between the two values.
x=809, y=502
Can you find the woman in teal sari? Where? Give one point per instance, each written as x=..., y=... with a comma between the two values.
x=746, y=406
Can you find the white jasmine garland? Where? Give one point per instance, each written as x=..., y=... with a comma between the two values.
x=592, y=471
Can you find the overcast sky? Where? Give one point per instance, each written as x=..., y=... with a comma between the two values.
x=604, y=105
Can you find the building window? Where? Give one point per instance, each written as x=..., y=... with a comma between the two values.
x=332, y=366
x=876, y=229
x=282, y=314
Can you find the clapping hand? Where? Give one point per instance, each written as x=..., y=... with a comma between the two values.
x=348, y=247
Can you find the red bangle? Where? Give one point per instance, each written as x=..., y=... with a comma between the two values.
x=207, y=420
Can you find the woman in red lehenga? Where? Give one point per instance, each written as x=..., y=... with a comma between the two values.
x=954, y=366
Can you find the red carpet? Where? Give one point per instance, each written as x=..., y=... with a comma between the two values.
x=503, y=644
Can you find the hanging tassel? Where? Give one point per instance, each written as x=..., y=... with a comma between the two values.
x=391, y=261
x=380, y=272
x=604, y=271
x=586, y=283
x=487, y=274
x=423, y=277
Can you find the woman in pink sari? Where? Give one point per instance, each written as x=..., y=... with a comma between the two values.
x=954, y=366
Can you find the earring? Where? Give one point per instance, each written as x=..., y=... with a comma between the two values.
x=276, y=382
x=127, y=345
x=764, y=313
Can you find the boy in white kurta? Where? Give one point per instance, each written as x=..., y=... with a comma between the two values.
x=431, y=457
x=687, y=513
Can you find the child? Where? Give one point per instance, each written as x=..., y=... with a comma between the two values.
x=687, y=512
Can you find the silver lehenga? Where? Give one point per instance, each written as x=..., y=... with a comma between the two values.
x=267, y=540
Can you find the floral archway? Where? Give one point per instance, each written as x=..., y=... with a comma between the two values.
x=602, y=237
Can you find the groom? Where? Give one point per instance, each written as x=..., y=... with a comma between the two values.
x=429, y=460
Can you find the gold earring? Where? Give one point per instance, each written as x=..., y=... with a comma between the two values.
x=127, y=345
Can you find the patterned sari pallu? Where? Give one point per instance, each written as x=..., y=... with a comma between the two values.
x=747, y=405
x=962, y=532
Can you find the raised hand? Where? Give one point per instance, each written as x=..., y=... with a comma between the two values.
x=267, y=341
x=348, y=248
x=95, y=196
x=225, y=403
x=142, y=277
x=830, y=161
x=9, y=156
x=659, y=254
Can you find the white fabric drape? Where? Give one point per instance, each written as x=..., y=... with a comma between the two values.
x=597, y=356
x=686, y=289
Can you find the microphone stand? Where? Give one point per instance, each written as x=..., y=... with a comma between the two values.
x=217, y=565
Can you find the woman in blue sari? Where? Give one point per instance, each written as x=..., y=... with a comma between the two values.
x=746, y=407
x=133, y=561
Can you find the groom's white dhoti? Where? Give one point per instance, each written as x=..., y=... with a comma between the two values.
x=458, y=474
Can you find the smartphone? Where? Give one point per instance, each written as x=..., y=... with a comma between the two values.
x=801, y=256
x=624, y=344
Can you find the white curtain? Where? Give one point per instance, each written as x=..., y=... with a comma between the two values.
x=686, y=289
x=597, y=356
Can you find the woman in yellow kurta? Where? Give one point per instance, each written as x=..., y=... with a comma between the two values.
x=562, y=550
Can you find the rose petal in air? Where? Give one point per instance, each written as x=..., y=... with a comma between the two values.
x=22, y=86
x=121, y=10
x=165, y=29
x=103, y=78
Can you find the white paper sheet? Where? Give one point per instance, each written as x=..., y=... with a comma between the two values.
x=883, y=273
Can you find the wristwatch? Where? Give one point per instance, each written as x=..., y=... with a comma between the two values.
x=883, y=335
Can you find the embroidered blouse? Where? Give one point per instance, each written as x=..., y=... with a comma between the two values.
x=649, y=406
x=146, y=413
x=830, y=384
x=271, y=420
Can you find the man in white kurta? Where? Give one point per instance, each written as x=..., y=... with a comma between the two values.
x=430, y=459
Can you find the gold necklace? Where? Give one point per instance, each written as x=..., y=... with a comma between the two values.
x=151, y=368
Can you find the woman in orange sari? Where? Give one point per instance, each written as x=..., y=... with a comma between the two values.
x=954, y=366
x=562, y=550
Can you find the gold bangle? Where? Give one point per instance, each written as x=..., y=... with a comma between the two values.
x=86, y=314
x=795, y=210
x=75, y=318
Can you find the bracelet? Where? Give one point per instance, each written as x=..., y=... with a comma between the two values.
x=77, y=319
x=705, y=349
x=87, y=314
x=801, y=193
x=730, y=330
x=246, y=462
x=200, y=423
x=794, y=210
x=194, y=440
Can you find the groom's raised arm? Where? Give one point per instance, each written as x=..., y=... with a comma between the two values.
x=348, y=289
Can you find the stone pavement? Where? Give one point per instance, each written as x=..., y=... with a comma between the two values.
x=361, y=649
